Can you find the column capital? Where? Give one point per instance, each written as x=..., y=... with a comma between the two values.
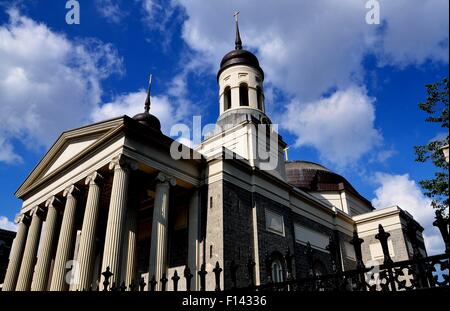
x=22, y=218
x=53, y=201
x=123, y=162
x=164, y=178
x=38, y=211
x=71, y=190
x=93, y=178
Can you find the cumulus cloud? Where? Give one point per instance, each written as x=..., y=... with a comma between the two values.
x=341, y=127
x=403, y=191
x=133, y=103
x=6, y=224
x=311, y=48
x=42, y=75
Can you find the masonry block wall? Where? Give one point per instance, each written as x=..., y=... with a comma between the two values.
x=238, y=232
x=398, y=242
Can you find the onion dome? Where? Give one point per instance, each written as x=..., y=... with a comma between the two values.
x=238, y=56
x=146, y=118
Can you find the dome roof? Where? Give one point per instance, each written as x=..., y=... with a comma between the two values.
x=239, y=57
x=149, y=120
x=146, y=118
x=311, y=176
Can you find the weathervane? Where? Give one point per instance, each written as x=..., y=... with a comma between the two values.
x=238, y=41
x=236, y=15
x=147, y=100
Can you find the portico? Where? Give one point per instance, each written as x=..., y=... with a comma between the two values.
x=125, y=197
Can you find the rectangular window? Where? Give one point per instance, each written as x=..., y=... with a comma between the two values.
x=210, y=202
x=305, y=234
x=274, y=222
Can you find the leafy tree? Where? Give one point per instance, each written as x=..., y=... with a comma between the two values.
x=436, y=106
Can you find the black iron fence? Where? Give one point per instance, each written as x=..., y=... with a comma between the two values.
x=416, y=273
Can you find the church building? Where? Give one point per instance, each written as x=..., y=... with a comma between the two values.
x=112, y=194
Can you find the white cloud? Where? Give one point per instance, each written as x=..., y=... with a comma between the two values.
x=110, y=10
x=340, y=127
x=6, y=224
x=401, y=190
x=133, y=103
x=42, y=75
x=7, y=153
x=311, y=48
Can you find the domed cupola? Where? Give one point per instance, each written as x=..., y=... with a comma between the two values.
x=146, y=118
x=238, y=56
x=240, y=80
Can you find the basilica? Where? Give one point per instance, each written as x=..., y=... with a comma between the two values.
x=113, y=195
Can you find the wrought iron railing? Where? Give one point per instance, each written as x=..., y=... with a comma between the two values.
x=416, y=273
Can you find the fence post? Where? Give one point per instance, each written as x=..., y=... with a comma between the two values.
x=332, y=248
x=202, y=273
x=442, y=225
x=107, y=275
x=310, y=259
x=188, y=276
x=383, y=237
x=411, y=233
x=175, y=279
x=163, y=282
x=153, y=283
x=132, y=286
x=217, y=270
x=357, y=242
x=142, y=284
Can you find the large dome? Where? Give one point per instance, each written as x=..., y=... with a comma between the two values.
x=310, y=176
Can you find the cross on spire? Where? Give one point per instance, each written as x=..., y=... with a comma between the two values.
x=147, y=100
x=238, y=41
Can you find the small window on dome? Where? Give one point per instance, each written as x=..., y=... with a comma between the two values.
x=227, y=98
x=243, y=94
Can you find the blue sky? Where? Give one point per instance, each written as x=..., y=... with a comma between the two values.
x=343, y=92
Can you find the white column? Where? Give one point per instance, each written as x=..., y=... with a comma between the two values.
x=86, y=252
x=193, y=238
x=158, y=247
x=116, y=216
x=129, y=247
x=65, y=242
x=15, y=258
x=41, y=274
x=31, y=248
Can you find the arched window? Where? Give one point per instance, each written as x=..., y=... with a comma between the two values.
x=259, y=98
x=277, y=271
x=243, y=94
x=227, y=98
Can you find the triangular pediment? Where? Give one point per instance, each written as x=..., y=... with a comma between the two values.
x=68, y=146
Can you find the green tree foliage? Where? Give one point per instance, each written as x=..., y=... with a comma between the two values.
x=436, y=106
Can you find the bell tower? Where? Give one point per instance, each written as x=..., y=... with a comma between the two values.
x=240, y=80
x=243, y=126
